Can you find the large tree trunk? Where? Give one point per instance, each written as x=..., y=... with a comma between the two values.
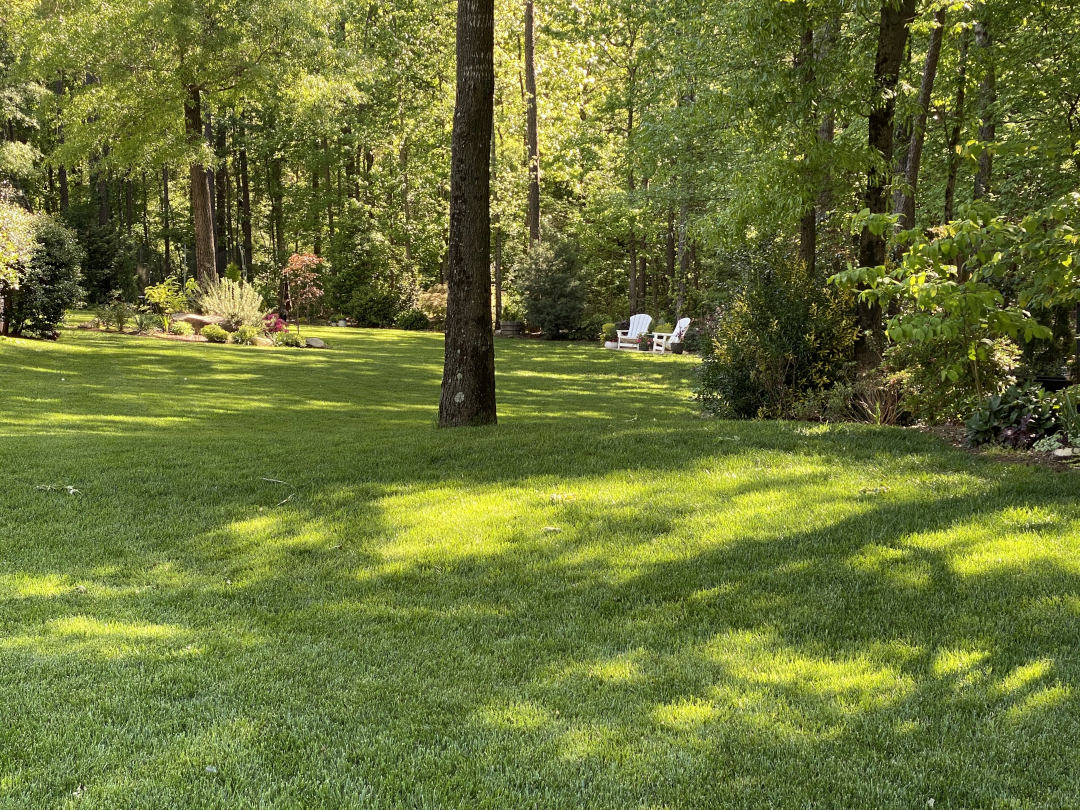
x=957, y=129
x=893, y=29
x=468, y=386
x=220, y=187
x=201, y=201
x=918, y=132
x=531, y=135
x=987, y=111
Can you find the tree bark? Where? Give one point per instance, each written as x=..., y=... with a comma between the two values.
x=468, y=386
x=201, y=200
x=531, y=134
x=683, y=250
x=895, y=21
x=987, y=112
x=498, y=229
x=918, y=133
x=804, y=64
x=957, y=129
x=221, y=191
x=165, y=218
x=245, y=207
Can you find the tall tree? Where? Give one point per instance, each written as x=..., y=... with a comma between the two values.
x=922, y=111
x=894, y=23
x=532, y=137
x=468, y=385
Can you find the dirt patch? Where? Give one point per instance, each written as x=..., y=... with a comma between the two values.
x=954, y=435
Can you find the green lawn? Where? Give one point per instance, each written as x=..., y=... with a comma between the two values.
x=604, y=602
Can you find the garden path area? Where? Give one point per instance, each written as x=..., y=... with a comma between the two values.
x=605, y=601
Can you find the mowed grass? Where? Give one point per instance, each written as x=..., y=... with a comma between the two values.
x=605, y=601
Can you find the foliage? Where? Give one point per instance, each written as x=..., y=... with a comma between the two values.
x=1015, y=418
x=916, y=367
x=116, y=313
x=48, y=280
x=874, y=399
x=609, y=332
x=214, y=333
x=302, y=278
x=146, y=321
x=432, y=302
x=413, y=319
x=291, y=339
x=589, y=328
x=181, y=328
x=245, y=335
x=1047, y=445
x=238, y=303
x=552, y=291
x=373, y=307
x=168, y=297
x=782, y=336
x=513, y=310
x=1070, y=414
x=17, y=240
x=272, y=323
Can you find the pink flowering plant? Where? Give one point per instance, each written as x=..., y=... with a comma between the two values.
x=273, y=323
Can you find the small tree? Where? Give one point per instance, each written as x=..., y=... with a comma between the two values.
x=551, y=286
x=166, y=298
x=302, y=282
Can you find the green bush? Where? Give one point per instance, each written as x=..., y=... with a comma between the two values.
x=291, y=339
x=246, y=335
x=781, y=337
x=413, y=319
x=1016, y=418
x=592, y=328
x=116, y=313
x=49, y=283
x=552, y=291
x=181, y=328
x=610, y=331
x=238, y=303
x=373, y=307
x=168, y=297
x=1070, y=414
x=145, y=321
x=214, y=333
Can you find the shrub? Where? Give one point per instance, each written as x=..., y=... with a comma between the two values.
x=512, y=310
x=273, y=323
x=291, y=339
x=610, y=330
x=663, y=327
x=181, y=328
x=48, y=280
x=116, y=313
x=1070, y=414
x=373, y=307
x=592, y=328
x=696, y=338
x=233, y=272
x=17, y=238
x=413, y=319
x=145, y=321
x=783, y=336
x=931, y=397
x=301, y=275
x=245, y=335
x=238, y=303
x=168, y=297
x=214, y=333
x=1016, y=418
x=552, y=291
x=432, y=303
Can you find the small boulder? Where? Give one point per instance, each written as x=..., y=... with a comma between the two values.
x=314, y=343
x=262, y=341
x=1065, y=452
x=199, y=321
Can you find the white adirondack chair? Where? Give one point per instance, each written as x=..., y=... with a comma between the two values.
x=638, y=325
x=662, y=340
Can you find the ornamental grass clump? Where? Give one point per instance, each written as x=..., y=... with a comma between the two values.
x=237, y=303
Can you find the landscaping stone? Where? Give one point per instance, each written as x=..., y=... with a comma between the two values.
x=263, y=341
x=1065, y=452
x=314, y=343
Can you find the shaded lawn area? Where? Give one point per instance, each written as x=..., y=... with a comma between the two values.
x=605, y=601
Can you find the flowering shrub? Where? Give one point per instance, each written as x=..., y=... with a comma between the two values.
x=272, y=323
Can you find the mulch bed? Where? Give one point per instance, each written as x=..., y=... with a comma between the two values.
x=954, y=435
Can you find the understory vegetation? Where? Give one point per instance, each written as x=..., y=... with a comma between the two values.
x=604, y=601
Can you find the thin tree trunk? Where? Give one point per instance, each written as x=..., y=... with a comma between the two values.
x=987, y=111
x=62, y=179
x=684, y=260
x=329, y=185
x=498, y=229
x=129, y=206
x=211, y=185
x=201, y=200
x=245, y=208
x=895, y=21
x=670, y=257
x=316, y=218
x=468, y=385
x=531, y=135
x=165, y=218
x=221, y=191
x=918, y=133
x=804, y=64
x=957, y=129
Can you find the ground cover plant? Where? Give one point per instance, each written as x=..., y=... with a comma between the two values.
x=256, y=579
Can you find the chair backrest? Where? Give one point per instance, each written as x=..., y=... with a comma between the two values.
x=638, y=324
x=680, y=330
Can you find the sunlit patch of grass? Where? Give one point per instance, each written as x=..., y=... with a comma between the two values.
x=604, y=601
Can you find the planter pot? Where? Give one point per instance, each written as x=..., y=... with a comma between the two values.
x=645, y=346
x=512, y=328
x=676, y=348
x=341, y=322
x=1052, y=384
x=610, y=344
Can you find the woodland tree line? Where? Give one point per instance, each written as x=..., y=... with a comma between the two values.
x=689, y=149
